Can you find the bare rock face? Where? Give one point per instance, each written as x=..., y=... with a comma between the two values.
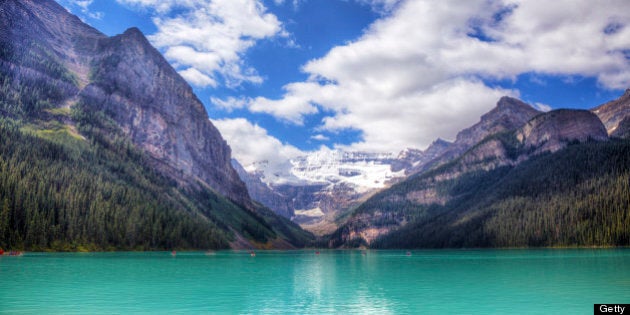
x=159, y=112
x=551, y=131
x=614, y=112
x=509, y=114
x=264, y=194
x=126, y=79
x=414, y=160
x=623, y=129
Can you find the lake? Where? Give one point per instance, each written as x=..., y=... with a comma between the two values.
x=567, y=281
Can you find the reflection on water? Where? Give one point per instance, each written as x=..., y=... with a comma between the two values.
x=303, y=282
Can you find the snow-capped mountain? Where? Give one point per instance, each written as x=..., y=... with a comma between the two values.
x=362, y=171
x=320, y=185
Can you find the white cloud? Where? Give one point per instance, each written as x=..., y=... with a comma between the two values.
x=84, y=8
x=320, y=137
x=195, y=77
x=252, y=144
x=418, y=73
x=206, y=39
x=542, y=107
x=231, y=103
x=291, y=110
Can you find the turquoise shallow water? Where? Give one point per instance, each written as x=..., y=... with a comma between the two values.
x=346, y=282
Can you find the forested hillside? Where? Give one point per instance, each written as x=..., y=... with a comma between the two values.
x=578, y=196
x=76, y=173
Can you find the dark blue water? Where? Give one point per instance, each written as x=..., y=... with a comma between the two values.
x=302, y=282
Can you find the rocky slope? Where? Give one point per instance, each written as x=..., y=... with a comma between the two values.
x=509, y=114
x=613, y=113
x=157, y=110
x=63, y=80
x=551, y=131
x=129, y=81
x=501, y=148
x=262, y=193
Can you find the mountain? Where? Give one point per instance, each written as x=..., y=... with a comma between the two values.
x=332, y=182
x=262, y=193
x=112, y=107
x=615, y=115
x=323, y=185
x=412, y=159
x=555, y=180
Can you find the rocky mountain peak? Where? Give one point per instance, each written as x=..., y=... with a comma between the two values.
x=509, y=114
x=437, y=145
x=512, y=107
x=613, y=113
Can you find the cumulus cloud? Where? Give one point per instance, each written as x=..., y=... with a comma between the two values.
x=255, y=149
x=291, y=110
x=205, y=40
x=419, y=73
x=231, y=103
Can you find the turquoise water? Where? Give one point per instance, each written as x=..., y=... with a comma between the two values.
x=347, y=282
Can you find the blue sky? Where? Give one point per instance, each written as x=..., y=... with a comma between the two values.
x=283, y=77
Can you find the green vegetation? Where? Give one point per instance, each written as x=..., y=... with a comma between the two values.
x=59, y=191
x=70, y=179
x=579, y=196
x=57, y=197
x=32, y=79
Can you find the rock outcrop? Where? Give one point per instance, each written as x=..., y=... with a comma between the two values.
x=613, y=113
x=264, y=194
x=623, y=129
x=551, y=131
x=159, y=112
x=509, y=114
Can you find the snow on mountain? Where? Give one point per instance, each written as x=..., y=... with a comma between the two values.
x=362, y=170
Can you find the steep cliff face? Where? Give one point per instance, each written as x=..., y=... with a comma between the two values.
x=134, y=85
x=551, y=131
x=614, y=112
x=262, y=193
x=623, y=129
x=122, y=77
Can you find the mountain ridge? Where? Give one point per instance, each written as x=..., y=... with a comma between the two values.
x=396, y=213
x=142, y=166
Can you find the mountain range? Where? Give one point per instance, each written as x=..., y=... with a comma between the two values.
x=324, y=200
x=560, y=178
x=104, y=146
